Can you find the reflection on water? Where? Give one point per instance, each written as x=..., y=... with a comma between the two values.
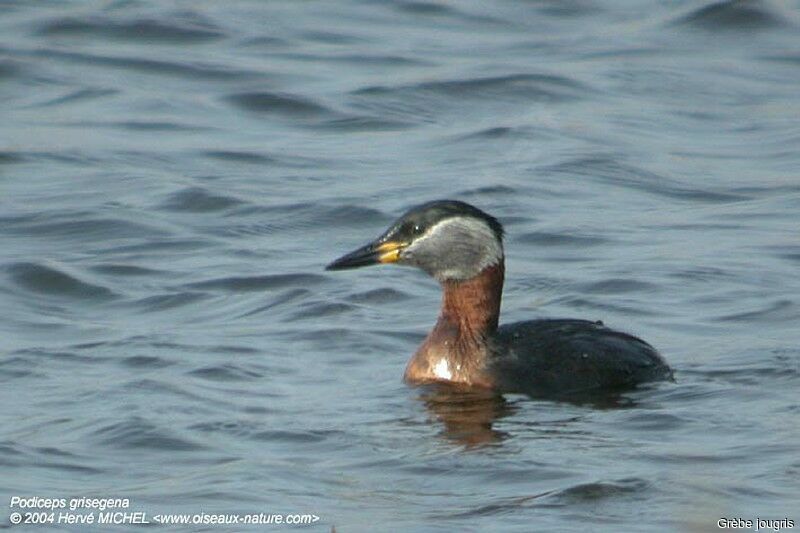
x=467, y=416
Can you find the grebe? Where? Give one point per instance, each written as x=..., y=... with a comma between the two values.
x=462, y=248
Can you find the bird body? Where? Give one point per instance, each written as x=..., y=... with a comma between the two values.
x=462, y=247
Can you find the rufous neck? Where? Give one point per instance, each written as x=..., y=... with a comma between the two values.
x=473, y=305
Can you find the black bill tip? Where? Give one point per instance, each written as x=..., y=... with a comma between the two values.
x=371, y=254
x=364, y=256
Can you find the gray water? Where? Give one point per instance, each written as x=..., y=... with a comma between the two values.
x=175, y=175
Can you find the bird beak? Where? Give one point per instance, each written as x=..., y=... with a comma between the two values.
x=372, y=254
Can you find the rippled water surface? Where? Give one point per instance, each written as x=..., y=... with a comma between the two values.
x=175, y=175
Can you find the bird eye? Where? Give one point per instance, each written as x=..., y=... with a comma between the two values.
x=417, y=229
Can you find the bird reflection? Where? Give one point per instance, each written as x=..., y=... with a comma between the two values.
x=468, y=414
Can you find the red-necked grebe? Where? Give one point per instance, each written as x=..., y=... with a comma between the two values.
x=462, y=248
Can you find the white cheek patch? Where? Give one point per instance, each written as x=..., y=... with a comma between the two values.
x=471, y=232
x=442, y=370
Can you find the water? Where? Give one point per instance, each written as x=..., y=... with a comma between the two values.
x=175, y=175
